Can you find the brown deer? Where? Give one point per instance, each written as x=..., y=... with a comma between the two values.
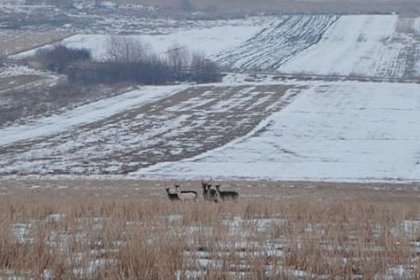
x=225, y=195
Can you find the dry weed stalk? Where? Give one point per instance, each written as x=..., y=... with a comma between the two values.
x=164, y=240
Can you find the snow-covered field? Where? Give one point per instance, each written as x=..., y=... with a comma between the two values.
x=356, y=45
x=334, y=131
x=363, y=45
x=344, y=131
x=209, y=39
x=380, y=46
x=84, y=115
x=137, y=129
x=283, y=39
x=252, y=128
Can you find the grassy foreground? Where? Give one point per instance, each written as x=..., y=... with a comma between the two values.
x=257, y=238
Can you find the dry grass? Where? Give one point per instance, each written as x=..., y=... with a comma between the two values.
x=19, y=41
x=8, y=84
x=257, y=238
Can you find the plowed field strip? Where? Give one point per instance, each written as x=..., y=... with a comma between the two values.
x=182, y=125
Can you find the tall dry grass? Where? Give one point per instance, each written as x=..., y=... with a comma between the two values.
x=105, y=239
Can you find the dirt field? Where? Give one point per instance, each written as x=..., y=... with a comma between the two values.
x=44, y=190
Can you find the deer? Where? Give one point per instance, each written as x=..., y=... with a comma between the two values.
x=186, y=195
x=208, y=192
x=225, y=195
x=172, y=196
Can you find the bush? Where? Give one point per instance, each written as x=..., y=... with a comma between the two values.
x=204, y=70
x=145, y=72
x=130, y=60
x=60, y=57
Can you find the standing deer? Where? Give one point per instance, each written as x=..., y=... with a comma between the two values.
x=186, y=195
x=208, y=192
x=172, y=196
x=225, y=195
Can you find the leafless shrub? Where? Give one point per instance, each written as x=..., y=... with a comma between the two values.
x=131, y=60
x=178, y=59
x=126, y=50
x=204, y=70
x=60, y=57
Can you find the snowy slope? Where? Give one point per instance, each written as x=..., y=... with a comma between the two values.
x=277, y=43
x=209, y=40
x=361, y=45
x=332, y=131
x=385, y=46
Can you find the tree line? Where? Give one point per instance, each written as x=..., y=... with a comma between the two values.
x=129, y=60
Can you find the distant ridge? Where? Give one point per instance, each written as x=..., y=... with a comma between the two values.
x=291, y=6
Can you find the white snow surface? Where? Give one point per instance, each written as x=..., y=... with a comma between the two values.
x=278, y=42
x=86, y=114
x=347, y=131
x=13, y=71
x=361, y=45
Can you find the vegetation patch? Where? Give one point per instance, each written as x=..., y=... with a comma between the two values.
x=128, y=61
x=290, y=238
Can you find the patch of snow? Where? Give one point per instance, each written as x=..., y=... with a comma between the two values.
x=92, y=267
x=411, y=228
x=190, y=274
x=21, y=232
x=397, y=272
x=57, y=217
x=13, y=71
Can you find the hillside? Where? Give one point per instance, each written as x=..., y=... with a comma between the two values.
x=307, y=98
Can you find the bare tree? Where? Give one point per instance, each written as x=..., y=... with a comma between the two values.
x=204, y=70
x=125, y=50
x=60, y=57
x=129, y=59
x=178, y=59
